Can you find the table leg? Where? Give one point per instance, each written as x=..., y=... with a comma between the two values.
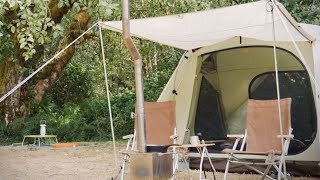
x=39, y=142
x=23, y=140
x=201, y=163
x=211, y=164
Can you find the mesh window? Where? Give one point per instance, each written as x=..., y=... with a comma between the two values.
x=209, y=118
x=303, y=115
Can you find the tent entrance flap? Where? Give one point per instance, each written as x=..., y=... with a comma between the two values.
x=209, y=120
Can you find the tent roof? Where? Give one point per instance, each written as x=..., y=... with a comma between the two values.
x=194, y=30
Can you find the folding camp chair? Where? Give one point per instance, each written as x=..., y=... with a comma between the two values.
x=160, y=126
x=262, y=137
x=130, y=146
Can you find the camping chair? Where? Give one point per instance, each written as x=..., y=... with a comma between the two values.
x=130, y=146
x=262, y=137
x=160, y=125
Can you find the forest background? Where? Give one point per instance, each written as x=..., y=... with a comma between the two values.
x=69, y=94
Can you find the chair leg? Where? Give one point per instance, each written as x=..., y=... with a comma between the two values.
x=123, y=169
x=211, y=164
x=227, y=168
x=175, y=164
x=266, y=171
x=284, y=169
x=279, y=170
x=124, y=161
x=125, y=158
x=185, y=161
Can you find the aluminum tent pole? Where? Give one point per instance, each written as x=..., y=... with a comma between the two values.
x=302, y=58
x=141, y=137
x=278, y=91
x=108, y=95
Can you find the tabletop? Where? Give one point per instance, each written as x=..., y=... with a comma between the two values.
x=40, y=136
x=196, y=146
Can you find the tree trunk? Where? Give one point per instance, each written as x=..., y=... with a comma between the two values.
x=46, y=78
x=13, y=106
x=21, y=104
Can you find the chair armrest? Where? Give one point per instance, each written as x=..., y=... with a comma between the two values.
x=235, y=135
x=174, y=136
x=127, y=136
x=288, y=136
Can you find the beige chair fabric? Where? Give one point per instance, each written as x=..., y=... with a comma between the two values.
x=160, y=119
x=263, y=124
x=160, y=123
x=262, y=136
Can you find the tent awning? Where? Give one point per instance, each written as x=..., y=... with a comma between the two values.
x=194, y=30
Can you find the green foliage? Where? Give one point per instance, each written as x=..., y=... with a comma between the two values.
x=31, y=26
x=6, y=46
x=88, y=120
x=305, y=11
x=31, y=23
x=74, y=84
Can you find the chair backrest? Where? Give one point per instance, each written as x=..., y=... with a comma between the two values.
x=160, y=122
x=263, y=124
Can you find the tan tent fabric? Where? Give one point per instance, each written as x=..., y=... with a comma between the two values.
x=263, y=124
x=160, y=118
x=221, y=29
x=199, y=29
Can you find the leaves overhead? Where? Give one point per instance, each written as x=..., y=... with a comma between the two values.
x=30, y=21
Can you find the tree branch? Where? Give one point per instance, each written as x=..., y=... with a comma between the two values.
x=53, y=70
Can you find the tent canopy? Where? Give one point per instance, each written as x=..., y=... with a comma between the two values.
x=199, y=29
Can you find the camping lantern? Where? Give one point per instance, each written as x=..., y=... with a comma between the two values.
x=43, y=128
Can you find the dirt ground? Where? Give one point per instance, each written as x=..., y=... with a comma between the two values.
x=85, y=162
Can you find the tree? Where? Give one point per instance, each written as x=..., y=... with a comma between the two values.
x=27, y=27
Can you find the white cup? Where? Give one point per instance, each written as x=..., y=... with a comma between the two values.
x=194, y=140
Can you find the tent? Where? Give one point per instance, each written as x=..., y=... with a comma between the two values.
x=229, y=58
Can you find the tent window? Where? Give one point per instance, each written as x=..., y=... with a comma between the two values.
x=294, y=84
x=209, y=116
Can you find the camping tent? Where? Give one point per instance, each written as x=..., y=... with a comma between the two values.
x=229, y=58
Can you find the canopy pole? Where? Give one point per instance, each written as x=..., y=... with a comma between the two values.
x=300, y=55
x=108, y=95
x=141, y=137
x=44, y=65
x=278, y=92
